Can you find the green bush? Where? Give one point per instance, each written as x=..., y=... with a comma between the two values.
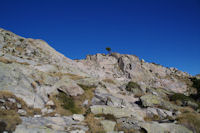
x=132, y=85
x=196, y=83
x=181, y=97
x=67, y=102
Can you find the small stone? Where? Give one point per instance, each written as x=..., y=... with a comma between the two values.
x=57, y=115
x=19, y=106
x=12, y=100
x=50, y=111
x=85, y=103
x=50, y=103
x=22, y=112
x=78, y=117
x=2, y=107
x=2, y=101
x=77, y=131
x=44, y=111
x=37, y=116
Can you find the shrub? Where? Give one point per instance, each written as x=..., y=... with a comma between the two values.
x=132, y=85
x=67, y=102
x=107, y=116
x=181, y=97
x=108, y=49
x=185, y=100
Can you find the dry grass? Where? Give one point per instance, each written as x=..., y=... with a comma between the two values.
x=30, y=111
x=4, y=60
x=71, y=76
x=19, y=49
x=9, y=119
x=93, y=124
x=191, y=121
x=110, y=81
x=67, y=105
x=64, y=104
x=107, y=117
x=153, y=118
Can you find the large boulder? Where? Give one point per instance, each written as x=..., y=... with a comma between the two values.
x=108, y=125
x=116, y=112
x=154, y=127
x=150, y=100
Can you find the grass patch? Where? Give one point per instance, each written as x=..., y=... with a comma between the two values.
x=153, y=118
x=181, y=97
x=183, y=100
x=86, y=87
x=93, y=124
x=190, y=120
x=135, y=89
x=67, y=105
x=67, y=102
x=4, y=60
x=13, y=106
x=110, y=81
x=132, y=85
x=71, y=76
x=9, y=119
x=107, y=116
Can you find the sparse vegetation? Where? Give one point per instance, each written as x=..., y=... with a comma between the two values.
x=196, y=84
x=67, y=102
x=93, y=124
x=118, y=127
x=71, y=76
x=131, y=85
x=183, y=100
x=86, y=87
x=21, y=39
x=9, y=119
x=107, y=116
x=109, y=81
x=134, y=88
x=4, y=60
x=153, y=118
x=190, y=120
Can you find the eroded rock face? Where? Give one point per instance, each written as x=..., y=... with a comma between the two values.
x=117, y=89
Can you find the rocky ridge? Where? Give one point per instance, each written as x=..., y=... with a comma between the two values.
x=116, y=93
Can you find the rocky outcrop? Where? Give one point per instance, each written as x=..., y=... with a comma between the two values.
x=45, y=91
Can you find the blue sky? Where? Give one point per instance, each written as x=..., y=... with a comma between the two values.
x=166, y=32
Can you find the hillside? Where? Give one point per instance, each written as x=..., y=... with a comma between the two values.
x=43, y=91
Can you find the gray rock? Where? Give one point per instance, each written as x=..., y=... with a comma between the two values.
x=128, y=123
x=2, y=101
x=77, y=131
x=78, y=117
x=108, y=125
x=150, y=100
x=154, y=127
x=12, y=100
x=117, y=112
x=22, y=112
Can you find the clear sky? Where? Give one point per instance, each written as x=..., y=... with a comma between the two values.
x=166, y=32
